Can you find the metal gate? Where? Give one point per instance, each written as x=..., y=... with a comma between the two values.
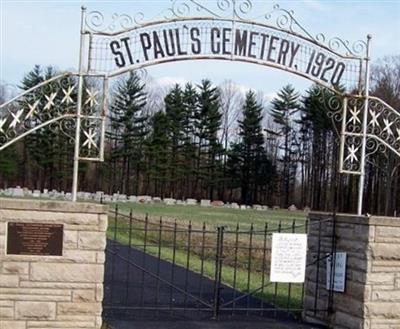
x=161, y=267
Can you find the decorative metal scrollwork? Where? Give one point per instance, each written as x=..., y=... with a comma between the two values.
x=384, y=124
x=53, y=104
x=383, y=131
x=44, y=104
x=235, y=10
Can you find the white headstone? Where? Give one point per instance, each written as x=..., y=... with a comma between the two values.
x=205, y=203
x=234, y=205
x=17, y=192
x=107, y=198
x=191, y=202
x=169, y=201
x=132, y=198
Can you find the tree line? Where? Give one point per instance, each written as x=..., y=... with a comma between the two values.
x=214, y=142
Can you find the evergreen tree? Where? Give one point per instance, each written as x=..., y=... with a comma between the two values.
x=208, y=123
x=128, y=130
x=158, y=154
x=190, y=106
x=251, y=148
x=174, y=111
x=284, y=106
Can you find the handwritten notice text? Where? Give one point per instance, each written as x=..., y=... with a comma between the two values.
x=288, y=259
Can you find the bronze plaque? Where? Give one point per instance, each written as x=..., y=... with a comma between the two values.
x=34, y=239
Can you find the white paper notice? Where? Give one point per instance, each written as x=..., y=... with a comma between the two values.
x=339, y=281
x=288, y=259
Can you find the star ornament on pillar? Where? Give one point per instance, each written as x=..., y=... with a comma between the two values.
x=91, y=100
x=16, y=119
x=352, y=154
x=2, y=122
x=67, y=95
x=90, y=136
x=32, y=109
x=374, y=118
x=354, y=116
x=388, y=126
x=50, y=100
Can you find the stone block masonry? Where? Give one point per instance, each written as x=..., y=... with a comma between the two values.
x=54, y=291
x=371, y=299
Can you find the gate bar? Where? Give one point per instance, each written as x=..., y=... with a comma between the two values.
x=364, y=130
x=78, y=109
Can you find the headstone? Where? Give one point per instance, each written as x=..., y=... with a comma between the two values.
x=122, y=198
x=292, y=208
x=68, y=196
x=133, y=198
x=27, y=192
x=107, y=198
x=307, y=209
x=17, y=192
x=86, y=196
x=191, y=202
x=115, y=197
x=242, y=207
x=144, y=199
x=217, y=203
x=98, y=196
x=234, y=205
x=169, y=201
x=276, y=208
x=180, y=202
x=258, y=207
x=205, y=203
x=157, y=200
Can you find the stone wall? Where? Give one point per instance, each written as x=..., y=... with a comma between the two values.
x=372, y=294
x=54, y=291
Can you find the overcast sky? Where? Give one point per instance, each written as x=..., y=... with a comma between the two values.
x=47, y=33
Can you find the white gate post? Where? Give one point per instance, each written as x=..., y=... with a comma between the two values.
x=78, y=109
x=364, y=129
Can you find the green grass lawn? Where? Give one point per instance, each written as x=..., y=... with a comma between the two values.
x=216, y=216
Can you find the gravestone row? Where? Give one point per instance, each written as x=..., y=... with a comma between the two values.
x=100, y=196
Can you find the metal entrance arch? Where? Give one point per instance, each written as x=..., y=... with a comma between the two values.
x=231, y=30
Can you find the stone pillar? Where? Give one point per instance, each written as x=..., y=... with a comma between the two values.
x=54, y=291
x=371, y=299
